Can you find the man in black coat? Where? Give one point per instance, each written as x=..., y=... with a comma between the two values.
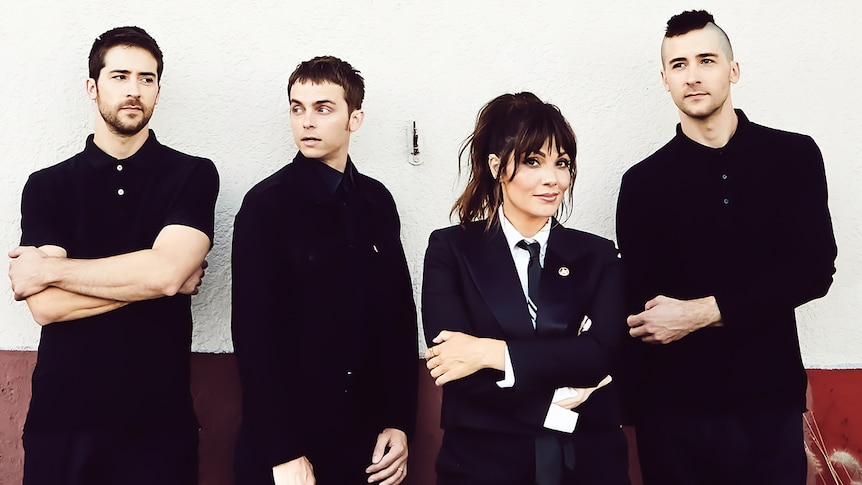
x=724, y=231
x=324, y=323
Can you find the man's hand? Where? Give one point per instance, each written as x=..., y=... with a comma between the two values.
x=193, y=283
x=25, y=271
x=459, y=355
x=389, y=459
x=294, y=472
x=665, y=320
x=581, y=395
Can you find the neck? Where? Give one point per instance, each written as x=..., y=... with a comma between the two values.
x=713, y=131
x=118, y=146
x=526, y=226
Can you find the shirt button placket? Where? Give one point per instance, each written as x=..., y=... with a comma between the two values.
x=120, y=191
x=725, y=200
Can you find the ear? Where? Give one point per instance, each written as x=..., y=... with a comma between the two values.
x=734, y=72
x=92, y=89
x=664, y=81
x=355, y=120
x=494, y=165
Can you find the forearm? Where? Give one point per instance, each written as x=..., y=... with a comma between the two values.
x=164, y=270
x=57, y=305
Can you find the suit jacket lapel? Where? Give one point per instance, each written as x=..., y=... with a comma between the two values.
x=558, y=287
x=489, y=261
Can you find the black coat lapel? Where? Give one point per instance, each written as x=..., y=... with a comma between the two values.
x=559, y=288
x=489, y=261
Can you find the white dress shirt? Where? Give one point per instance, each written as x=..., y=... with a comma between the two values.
x=558, y=418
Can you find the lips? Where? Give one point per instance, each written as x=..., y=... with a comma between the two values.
x=547, y=197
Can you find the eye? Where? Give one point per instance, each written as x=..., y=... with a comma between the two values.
x=677, y=65
x=564, y=163
x=148, y=80
x=118, y=77
x=708, y=61
x=296, y=109
x=531, y=161
x=324, y=109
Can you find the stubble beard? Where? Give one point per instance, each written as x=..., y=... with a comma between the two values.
x=120, y=127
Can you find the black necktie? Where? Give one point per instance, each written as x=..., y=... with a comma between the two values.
x=534, y=273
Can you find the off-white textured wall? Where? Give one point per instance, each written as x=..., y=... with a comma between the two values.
x=223, y=97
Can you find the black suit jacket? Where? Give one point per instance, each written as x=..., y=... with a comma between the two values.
x=471, y=285
x=323, y=318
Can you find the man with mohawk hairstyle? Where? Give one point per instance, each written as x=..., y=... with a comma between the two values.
x=724, y=231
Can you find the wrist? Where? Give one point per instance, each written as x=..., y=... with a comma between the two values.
x=494, y=356
x=710, y=314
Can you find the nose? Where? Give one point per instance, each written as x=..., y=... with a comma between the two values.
x=308, y=120
x=550, y=176
x=692, y=75
x=133, y=89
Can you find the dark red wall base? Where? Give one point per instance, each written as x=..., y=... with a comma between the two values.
x=836, y=397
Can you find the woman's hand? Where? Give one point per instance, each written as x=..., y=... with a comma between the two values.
x=458, y=355
x=581, y=394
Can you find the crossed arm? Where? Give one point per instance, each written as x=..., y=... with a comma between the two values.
x=58, y=289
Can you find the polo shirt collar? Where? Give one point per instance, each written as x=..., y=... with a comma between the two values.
x=743, y=127
x=99, y=159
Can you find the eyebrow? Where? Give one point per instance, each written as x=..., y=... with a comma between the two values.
x=698, y=56
x=316, y=103
x=127, y=72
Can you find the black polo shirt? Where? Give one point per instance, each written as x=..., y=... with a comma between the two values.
x=128, y=368
x=747, y=223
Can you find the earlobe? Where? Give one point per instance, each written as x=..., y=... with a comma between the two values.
x=494, y=165
x=664, y=81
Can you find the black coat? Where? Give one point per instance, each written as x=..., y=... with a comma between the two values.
x=323, y=318
x=471, y=285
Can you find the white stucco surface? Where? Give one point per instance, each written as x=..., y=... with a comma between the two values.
x=436, y=62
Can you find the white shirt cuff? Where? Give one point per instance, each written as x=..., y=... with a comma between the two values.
x=558, y=417
x=509, y=376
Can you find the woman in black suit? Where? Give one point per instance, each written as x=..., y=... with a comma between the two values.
x=525, y=337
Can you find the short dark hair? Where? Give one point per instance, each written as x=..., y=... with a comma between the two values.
x=511, y=126
x=329, y=69
x=685, y=22
x=689, y=20
x=125, y=36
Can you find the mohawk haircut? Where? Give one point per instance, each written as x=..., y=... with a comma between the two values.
x=687, y=21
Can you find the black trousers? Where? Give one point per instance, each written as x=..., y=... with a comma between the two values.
x=111, y=458
x=476, y=457
x=337, y=459
x=765, y=448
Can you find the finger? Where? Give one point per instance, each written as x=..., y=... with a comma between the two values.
x=442, y=337
x=635, y=320
x=604, y=382
x=16, y=252
x=399, y=471
x=205, y=264
x=655, y=301
x=379, y=450
x=638, y=332
x=437, y=371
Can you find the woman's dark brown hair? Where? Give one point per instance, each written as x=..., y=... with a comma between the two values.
x=511, y=126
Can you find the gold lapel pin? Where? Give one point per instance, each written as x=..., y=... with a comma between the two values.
x=563, y=271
